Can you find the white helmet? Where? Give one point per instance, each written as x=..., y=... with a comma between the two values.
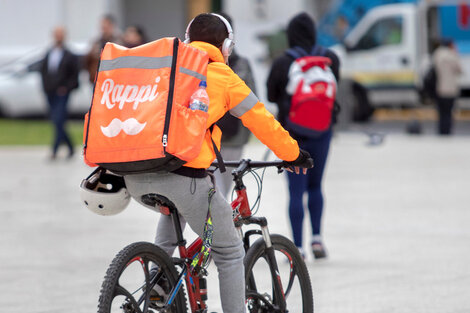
x=104, y=193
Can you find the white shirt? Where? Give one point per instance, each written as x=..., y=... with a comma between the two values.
x=448, y=70
x=55, y=56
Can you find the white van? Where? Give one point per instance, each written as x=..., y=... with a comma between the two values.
x=384, y=57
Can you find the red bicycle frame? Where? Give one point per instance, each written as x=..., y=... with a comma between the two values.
x=241, y=209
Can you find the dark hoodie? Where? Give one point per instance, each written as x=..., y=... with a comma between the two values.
x=300, y=33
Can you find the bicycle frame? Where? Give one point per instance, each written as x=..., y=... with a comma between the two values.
x=241, y=216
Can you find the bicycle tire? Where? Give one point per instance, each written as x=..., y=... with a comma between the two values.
x=146, y=254
x=261, y=300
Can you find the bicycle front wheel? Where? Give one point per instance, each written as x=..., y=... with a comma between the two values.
x=260, y=287
x=139, y=280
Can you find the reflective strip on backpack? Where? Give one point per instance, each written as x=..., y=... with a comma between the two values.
x=197, y=75
x=250, y=101
x=136, y=62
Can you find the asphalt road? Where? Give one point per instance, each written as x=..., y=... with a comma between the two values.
x=396, y=225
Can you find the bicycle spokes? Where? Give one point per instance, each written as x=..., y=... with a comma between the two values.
x=261, y=294
x=133, y=290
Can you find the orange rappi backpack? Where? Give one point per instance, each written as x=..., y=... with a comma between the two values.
x=139, y=120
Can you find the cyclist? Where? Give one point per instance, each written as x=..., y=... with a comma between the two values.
x=188, y=187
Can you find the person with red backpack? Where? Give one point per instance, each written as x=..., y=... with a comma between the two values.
x=302, y=82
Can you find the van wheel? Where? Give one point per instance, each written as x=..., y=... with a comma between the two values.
x=362, y=110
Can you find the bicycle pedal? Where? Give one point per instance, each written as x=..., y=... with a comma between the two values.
x=156, y=298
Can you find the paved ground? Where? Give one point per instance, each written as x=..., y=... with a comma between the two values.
x=397, y=226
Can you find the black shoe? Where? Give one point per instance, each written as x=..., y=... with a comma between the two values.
x=160, y=292
x=158, y=297
x=318, y=250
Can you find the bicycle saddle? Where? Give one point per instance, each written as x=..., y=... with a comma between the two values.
x=165, y=206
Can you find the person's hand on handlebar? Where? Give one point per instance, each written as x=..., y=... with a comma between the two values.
x=303, y=161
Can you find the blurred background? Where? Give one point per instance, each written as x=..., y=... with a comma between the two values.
x=376, y=73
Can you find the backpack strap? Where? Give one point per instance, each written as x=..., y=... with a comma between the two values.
x=296, y=52
x=220, y=160
x=318, y=50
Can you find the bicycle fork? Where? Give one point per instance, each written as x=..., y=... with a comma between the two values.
x=279, y=297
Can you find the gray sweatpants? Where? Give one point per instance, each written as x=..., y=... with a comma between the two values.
x=190, y=195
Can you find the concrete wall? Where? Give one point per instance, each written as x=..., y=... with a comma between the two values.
x=254, y=18
x=27, y=24
x=272, y=10
x=277, y=11
x=159, y=18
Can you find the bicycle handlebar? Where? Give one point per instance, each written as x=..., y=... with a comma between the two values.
x=250, y=163
x=245, y=165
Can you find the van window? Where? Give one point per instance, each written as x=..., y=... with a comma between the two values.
x=388, y=31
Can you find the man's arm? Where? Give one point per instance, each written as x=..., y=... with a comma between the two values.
x=74, y=69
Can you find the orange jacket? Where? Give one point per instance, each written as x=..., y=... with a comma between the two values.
x=227, y=92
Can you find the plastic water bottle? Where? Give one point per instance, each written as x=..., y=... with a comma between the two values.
x=200, y=100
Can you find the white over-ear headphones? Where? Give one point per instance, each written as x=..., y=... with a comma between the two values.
x=229, y=43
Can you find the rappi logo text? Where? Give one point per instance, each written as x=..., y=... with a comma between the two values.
x=117, y=94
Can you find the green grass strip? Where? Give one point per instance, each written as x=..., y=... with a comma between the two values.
x=15, y=132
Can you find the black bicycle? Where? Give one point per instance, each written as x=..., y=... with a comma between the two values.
x=143, y=278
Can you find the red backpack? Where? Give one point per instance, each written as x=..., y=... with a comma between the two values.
x=312, y=87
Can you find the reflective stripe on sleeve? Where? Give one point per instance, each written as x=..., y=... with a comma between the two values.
x=136, y=62
x=250, y=101
x=189, y=72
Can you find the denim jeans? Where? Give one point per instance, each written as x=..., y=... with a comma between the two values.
x=58, y=116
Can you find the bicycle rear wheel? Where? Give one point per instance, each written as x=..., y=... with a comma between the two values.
x=293, y=273
x=127, y=285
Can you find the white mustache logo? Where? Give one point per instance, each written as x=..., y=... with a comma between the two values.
x=130, y=127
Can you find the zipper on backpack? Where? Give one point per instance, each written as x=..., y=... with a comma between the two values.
x=170, y=94
x=85, y=145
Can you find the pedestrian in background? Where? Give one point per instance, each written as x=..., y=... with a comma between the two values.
x=134, y=36
x=109, y=33
x=59, y=71
x=234, y=134
x=301, y=35
x=448, y=69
